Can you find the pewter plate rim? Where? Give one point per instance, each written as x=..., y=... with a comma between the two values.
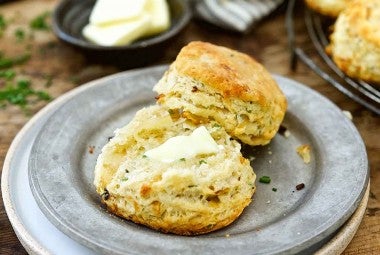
x=332, y=119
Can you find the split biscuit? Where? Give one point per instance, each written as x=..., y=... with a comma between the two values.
x=188, y=196
x=209, y=82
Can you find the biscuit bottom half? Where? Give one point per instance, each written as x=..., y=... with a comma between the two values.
x=188, y=196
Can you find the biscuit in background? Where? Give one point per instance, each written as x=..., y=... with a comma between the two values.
x=209, y=82
x=330, y=8
x=355, y=41
x=188, y=196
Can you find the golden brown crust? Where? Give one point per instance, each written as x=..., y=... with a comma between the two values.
x=355, y=42
x=192, y=196
x=233, y=74
x=216, y=83
x=363, y=19
x=184, y=228
x=330, y=8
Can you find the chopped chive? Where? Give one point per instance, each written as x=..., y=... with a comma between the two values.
x=39, y=22
x=20, y=34
x=124, y=179
x=43, y=95
x=216, y=125
x=6, y=62
x=274, y=189
x=144, y=156
x=182, y=159
x=264, y=179
x=3, y=25
x=202, y=162
x=23, y=84
x=49, y=80
x=7, y=74
x=21, y=59
x=20, y=93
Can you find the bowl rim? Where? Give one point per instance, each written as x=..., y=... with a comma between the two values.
x=175, y=28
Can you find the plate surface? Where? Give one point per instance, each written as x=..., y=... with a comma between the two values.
x=39, y=236
x=286, y=221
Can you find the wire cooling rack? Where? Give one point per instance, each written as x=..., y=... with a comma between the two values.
x=359, y=91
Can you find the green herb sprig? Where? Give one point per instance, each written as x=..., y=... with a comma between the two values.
x=6, y=62
x=19, y=34
x=7, y=74
x=21, y=94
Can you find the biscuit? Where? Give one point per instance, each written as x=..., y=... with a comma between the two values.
x=355, y=41
x=208, y=82
x=188, y=196
x=330, y=8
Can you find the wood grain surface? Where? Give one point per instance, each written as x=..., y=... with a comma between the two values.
x=68, y=68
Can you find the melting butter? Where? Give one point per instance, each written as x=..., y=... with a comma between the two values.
x=198, y=142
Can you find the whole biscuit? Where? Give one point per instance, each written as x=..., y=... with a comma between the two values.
x=355, y=41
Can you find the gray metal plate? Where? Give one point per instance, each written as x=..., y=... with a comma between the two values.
x=287, y=221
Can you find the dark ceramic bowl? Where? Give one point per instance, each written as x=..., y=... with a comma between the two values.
x=71, y=16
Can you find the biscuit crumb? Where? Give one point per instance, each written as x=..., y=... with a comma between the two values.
x=91, y=149
x=284, y=131
x=348, y=114
x=158, y=97
x=304, y=152
x=300, y=186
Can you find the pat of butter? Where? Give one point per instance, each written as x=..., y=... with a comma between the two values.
x=120, y=22
x=160, y=16
x=118, y=34
x=198, y=142
x=106, y=12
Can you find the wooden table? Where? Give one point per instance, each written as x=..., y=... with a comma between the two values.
x=67, y=69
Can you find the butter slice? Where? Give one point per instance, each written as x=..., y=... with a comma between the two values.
x=160, y=15
x=117, y=34
x=198, y=142
x=107, y=12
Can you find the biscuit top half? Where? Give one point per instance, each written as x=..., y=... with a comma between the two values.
x=231, y=73
x=364, y=19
